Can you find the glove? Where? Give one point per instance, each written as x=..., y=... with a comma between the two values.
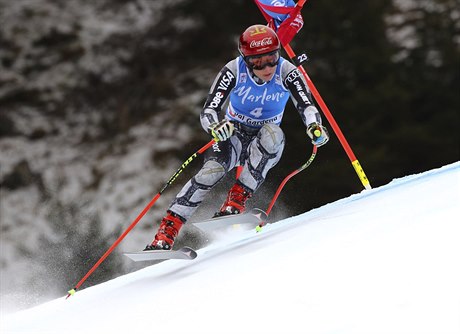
x=318, y=134
x=221, y=131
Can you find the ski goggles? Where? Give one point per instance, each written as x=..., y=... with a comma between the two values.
x=259, y=62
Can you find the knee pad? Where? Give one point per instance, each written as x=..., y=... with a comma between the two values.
x=264, y=154
x=211, y=173
x=271, y=137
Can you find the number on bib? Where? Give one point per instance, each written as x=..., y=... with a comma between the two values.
x=257, y=112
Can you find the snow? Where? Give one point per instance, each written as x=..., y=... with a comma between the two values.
x=382, y=261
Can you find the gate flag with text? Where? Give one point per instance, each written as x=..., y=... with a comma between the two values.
x=283, y=16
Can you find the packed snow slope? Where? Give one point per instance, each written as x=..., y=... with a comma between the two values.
x=382, y=261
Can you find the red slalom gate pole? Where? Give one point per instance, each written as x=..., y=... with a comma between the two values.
x=71, y=292
x=354, y=161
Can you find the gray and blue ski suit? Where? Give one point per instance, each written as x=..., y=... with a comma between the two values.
x=256, y=109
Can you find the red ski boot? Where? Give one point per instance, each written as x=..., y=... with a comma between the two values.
x=235, y=202
x=167, y=232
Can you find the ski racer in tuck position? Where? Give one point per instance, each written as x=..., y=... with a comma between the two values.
x=257, y=85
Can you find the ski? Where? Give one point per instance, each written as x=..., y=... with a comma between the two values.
x=243, y=221
x=184, y=253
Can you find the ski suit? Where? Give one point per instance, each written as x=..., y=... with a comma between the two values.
x=256, y=109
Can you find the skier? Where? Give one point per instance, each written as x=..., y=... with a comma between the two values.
x=255, y=88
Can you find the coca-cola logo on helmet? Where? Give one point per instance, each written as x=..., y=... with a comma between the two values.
x=263, y=42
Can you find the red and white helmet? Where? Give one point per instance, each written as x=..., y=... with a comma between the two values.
x=257, y=40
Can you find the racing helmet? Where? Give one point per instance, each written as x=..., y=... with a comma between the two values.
x=257, y=40
x=259, y=46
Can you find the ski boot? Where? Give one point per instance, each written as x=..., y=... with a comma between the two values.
x=167, y=232
x=235, y=202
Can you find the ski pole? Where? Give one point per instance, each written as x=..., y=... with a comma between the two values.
x=139, y=217
x=354, y=161
x=286, y=179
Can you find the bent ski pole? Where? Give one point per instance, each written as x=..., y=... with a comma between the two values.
x=286, y=179
x=139, y=217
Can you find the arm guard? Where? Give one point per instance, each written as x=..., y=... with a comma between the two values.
x=300, y=94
